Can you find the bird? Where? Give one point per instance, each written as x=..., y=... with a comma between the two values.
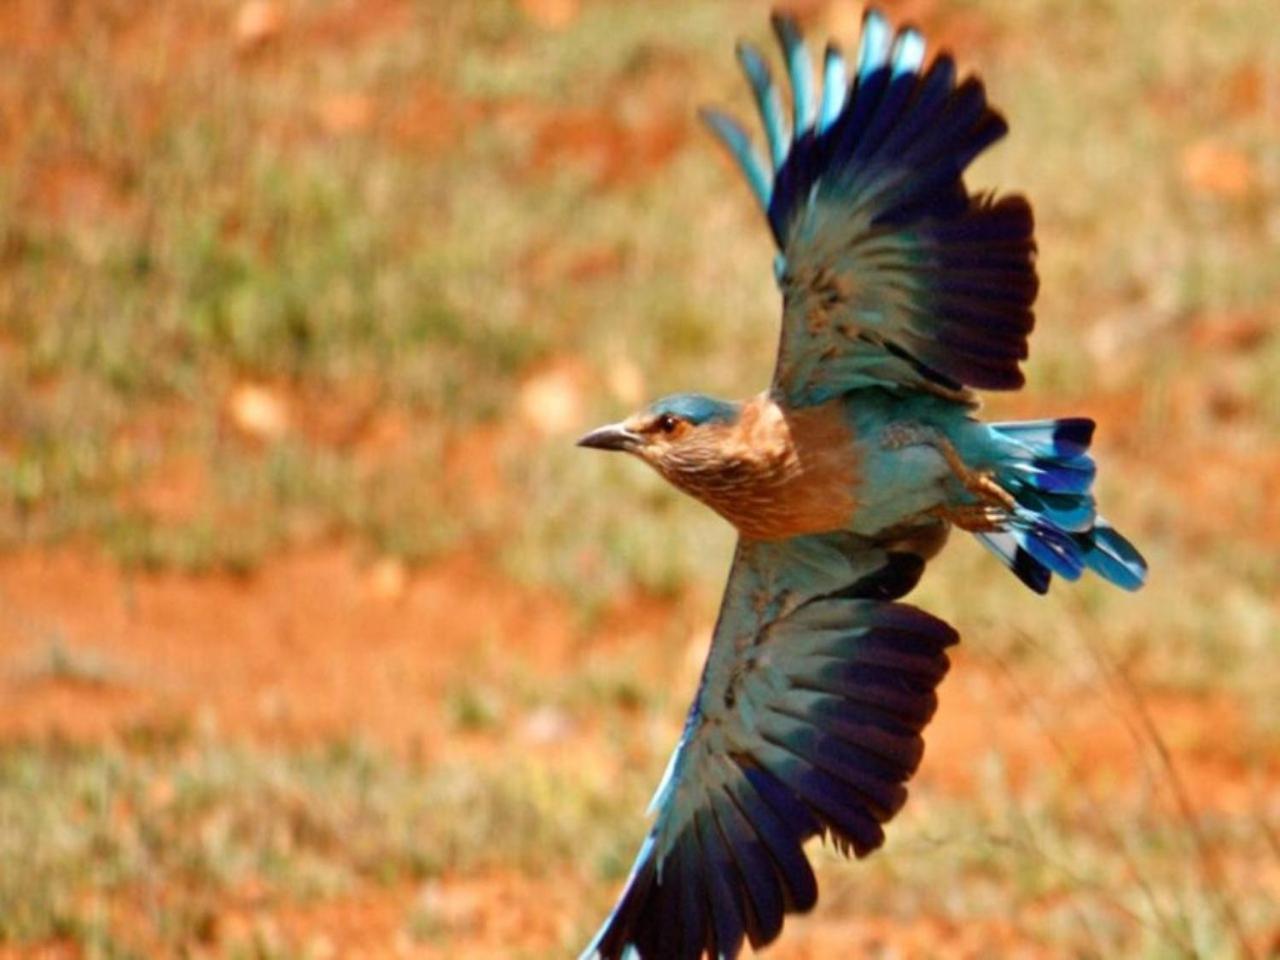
x=903, y=295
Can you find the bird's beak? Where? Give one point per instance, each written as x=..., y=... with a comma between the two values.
x=614, y=436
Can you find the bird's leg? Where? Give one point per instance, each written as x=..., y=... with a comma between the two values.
x=981, y=483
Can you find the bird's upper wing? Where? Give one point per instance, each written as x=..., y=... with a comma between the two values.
x=892, y=273
x=807, y=721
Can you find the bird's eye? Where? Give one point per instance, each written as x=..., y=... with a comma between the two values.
x=667, y=423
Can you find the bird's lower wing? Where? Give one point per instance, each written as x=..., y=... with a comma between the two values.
x=807, y=721
x=892, y=273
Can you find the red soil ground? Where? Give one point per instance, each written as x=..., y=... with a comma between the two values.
x=315, y=646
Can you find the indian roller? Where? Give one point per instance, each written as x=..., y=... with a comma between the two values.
x=902, y=293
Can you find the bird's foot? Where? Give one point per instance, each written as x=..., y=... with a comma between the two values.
x=973, y=517
x=981, y=483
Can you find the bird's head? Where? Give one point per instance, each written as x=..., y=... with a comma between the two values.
x=685, y=436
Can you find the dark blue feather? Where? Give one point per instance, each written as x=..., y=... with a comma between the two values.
x=931, y=96
x=887, y=113
x=723, y=904
x=873, y=780
x=838, y=806
x=1058, y=476
x=866, y=685
x=924, y=667
x=1005, y=545
x=1069, y=512
x=783, y=823
x=1030, y=571
x=895, y=578
x=746, y=831
x=688, y=874
x=872, y=731
x=1051, y=547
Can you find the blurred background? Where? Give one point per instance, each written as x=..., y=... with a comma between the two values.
x=318, y=637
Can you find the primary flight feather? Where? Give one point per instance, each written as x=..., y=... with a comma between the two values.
x=902, y=293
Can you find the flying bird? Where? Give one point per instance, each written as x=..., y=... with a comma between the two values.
x=902, y=294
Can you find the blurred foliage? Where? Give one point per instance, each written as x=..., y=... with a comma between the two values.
x=411, y=225
x=360, y=272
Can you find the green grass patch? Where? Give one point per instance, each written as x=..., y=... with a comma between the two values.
x=178, y=822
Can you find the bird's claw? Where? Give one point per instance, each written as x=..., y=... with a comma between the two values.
x=973, y=517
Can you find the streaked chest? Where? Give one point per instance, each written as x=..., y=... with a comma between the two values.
x=784, y=473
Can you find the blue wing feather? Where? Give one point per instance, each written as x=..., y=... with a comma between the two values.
x=907, y=55
x=922, y=284
x=783, y=823
x=800, y=72
x=691, y=887
x=891, y=741
x=768, y=761
x=835, y=83
x=735, y=139
x=747, y=829
x=892, y=272
x=877, y=783
x=724, y=905
x=837, y=807
x=873, y=46
x=768, y=102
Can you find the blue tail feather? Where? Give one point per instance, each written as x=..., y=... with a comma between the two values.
x=1049, y=546
x=1065, y=437
x=1074, y=514
x=1057, y=476
x=1110, y=555
x=1046, y=466
x=1006, y=546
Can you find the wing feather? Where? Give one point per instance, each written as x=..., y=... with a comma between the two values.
x=892, y=273
x=807, y=722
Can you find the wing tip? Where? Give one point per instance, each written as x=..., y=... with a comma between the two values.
x=785, y=25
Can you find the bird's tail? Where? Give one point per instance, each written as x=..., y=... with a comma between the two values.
x=1054, y=527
